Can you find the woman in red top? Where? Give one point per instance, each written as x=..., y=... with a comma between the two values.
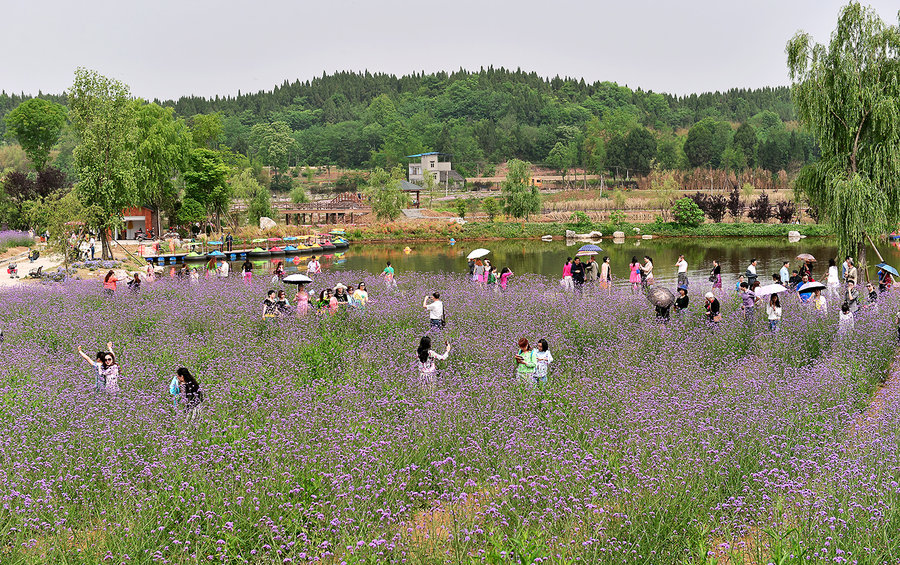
x=109, y=282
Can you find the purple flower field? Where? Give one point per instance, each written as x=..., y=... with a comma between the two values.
x=649, y=444
x=14, y=238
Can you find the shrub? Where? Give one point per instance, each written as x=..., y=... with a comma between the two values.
x=579, y=219
x=735, y=204
x=491, y=207
x=687, y=213
x=785, y=210
x=715, y=207
x=461, y=207
x=760, y=211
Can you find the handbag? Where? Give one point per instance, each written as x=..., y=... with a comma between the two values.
x=712, y=278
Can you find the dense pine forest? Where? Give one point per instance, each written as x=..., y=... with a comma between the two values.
x=364, y=120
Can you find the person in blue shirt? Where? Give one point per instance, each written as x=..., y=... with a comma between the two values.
x=784, y=273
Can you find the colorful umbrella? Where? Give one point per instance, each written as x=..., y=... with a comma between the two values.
x=806, y=257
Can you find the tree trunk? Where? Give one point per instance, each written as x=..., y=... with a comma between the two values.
x=861, y=252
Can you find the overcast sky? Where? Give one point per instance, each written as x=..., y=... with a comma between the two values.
x=168, y=48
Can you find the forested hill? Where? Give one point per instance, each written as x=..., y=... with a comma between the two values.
x=487, y=94
x=362, y=119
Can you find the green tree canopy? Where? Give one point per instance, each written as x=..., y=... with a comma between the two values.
x=204, y=182
x=163, y=145
x=207, y=130
x=520, y=197
x=273, y=144
x=640, y=150
x=190, y=212
x=848, y=95
x=36, y=125
x=259, y=200
x=102, y=114
x=385, y=194
x=746, y=141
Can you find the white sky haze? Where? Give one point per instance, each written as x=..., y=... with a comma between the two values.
x=166, y=48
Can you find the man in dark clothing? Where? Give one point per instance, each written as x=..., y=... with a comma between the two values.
x=229, y=240
x=578, y=273
x=795, y=280
x=471, y=267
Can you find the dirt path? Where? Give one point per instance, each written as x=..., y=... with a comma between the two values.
x=49, y=263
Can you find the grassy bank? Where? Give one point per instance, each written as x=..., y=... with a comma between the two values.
x=434, y=230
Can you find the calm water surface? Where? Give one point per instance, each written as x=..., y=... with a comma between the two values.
x=547, y=258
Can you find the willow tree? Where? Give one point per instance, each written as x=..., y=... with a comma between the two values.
x=847, y=94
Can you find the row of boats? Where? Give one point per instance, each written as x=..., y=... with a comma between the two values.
x=321, y=243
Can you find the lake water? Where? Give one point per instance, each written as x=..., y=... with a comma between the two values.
x=547, y=258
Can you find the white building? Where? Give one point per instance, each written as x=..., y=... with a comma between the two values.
x=436, y=163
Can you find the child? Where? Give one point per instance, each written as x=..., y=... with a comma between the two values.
x=543, y=357
x=845, y=322
x=175, y=391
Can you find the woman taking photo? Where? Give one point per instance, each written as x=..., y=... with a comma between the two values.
x=427, y=357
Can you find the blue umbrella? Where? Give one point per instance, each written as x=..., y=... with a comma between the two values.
x=888, y=268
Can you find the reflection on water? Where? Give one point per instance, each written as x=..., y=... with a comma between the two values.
x=547, y=258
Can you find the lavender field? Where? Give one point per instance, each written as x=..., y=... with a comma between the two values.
x=650, y=444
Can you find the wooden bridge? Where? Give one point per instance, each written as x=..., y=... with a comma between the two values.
x=341, y=209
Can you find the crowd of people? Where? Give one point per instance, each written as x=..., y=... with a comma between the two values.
x=330, y=300
x=532, y=364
